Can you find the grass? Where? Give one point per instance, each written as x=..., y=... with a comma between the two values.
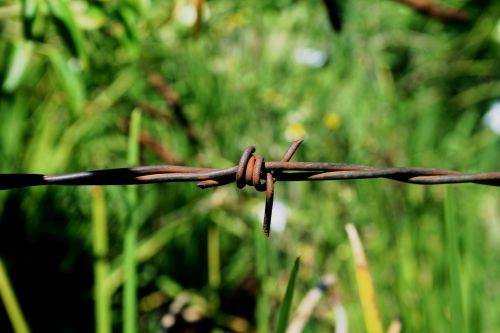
x=402, y=89
x=130, y=309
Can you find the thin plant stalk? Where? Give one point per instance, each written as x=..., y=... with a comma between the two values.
x=457, y=317
x=10, y=302
x=101, y=265
x=131, y=230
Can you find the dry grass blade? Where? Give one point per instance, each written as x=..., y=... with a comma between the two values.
x=341, y=325
x=395, y=326
x=365, y=283
x=308, y=304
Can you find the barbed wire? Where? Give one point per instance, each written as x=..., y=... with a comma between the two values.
x=251, y=170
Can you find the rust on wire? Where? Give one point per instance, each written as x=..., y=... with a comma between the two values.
x=251, y=170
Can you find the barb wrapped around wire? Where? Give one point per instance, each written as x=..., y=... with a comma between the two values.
x=250, y=171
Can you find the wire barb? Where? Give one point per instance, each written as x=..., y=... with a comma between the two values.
x=251, y=170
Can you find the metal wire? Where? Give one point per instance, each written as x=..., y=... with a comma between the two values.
x=250, y=171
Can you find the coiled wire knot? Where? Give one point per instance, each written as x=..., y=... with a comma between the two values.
x=250, y=172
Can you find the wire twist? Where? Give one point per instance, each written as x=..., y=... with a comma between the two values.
x=250, y=171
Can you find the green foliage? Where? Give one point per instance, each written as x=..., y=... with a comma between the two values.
x=399, y=89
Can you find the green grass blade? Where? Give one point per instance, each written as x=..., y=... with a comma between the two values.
x=131, y=231
x=18, y=63
x=133, y=141
x=11, y=305
x=284, y=314
x=29, y=8
x=69, y=80
x=263, y=309
x=129, y=20
x=66, y=25
x=453, y=256
x=101, y=266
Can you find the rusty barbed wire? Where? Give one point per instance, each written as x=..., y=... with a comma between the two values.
x=251, y=170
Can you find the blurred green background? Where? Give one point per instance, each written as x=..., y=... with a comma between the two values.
x=391, y=88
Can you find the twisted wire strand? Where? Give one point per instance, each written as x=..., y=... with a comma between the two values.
x=251, y=170
x=246, y=173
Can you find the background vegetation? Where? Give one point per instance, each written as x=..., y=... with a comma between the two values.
x=399, y=89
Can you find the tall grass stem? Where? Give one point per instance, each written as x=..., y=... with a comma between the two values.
x=101, y=265
x=130, y=317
